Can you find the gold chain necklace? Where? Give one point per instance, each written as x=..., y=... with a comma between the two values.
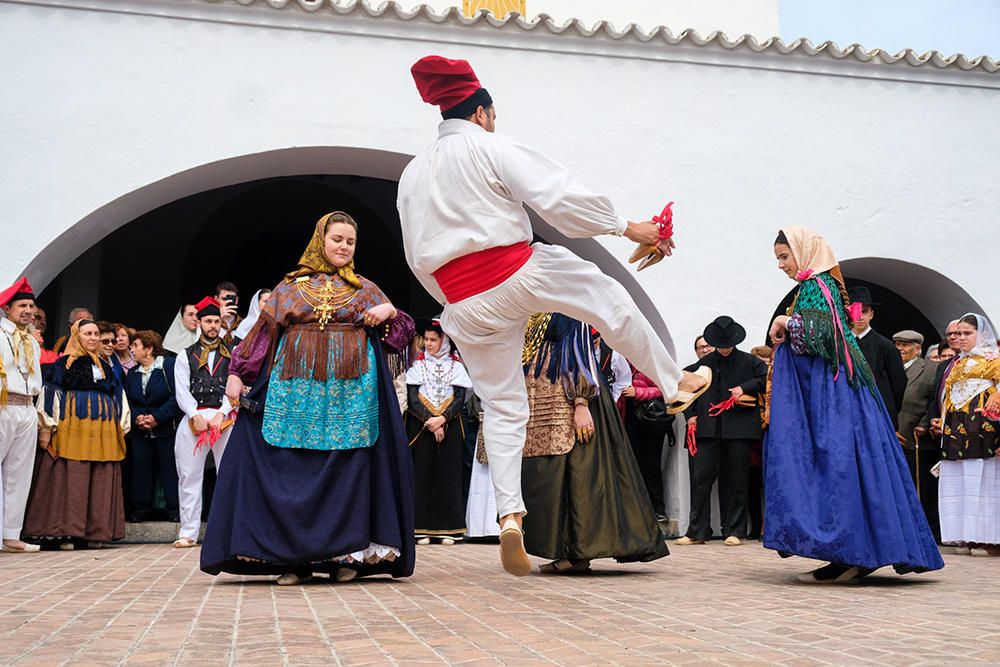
x=325, y=300
x=534, y=336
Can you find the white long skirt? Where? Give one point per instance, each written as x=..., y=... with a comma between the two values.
x=481, y=511
x=969, y=501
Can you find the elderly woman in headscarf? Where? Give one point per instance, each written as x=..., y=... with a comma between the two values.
x=76, y=495
x=969, y=484
x=837, y=486
x=436, y=386
x=317, y=476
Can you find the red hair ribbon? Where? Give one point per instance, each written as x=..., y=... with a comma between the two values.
x=691, y=441
x=666, y=222
x=716, y=409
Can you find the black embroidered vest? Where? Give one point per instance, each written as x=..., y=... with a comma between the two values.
x=208, y=384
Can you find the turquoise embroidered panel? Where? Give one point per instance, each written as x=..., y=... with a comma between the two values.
x=308, y=414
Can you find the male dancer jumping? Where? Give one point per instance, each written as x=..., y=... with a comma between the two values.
x=467, y=239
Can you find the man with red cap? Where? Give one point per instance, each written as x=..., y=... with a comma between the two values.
x=467, y=239
x=20, y=384
x=200, y=375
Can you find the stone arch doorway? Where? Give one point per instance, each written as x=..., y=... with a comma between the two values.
x=911, y=296
x=246, y=219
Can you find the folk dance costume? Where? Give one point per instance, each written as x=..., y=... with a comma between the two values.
x=318, y=476
x=200, y=375
x=76, y=493
x=437, y=386
x=584, y=492
x=969, y=483
x=837, y=486
x=467, y=239
x=20, y=384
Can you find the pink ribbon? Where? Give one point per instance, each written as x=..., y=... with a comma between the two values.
x=838, y=328
x=854, y=311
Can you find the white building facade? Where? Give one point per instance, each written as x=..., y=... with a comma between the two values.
x=114, y=108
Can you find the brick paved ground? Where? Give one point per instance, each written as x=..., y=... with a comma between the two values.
x=708, y=604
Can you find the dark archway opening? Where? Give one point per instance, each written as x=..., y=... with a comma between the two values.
x=250, y=233
x=894, y=313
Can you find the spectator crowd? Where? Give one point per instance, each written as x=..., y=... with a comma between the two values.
x=125, y=422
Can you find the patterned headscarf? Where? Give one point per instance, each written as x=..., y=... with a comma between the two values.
x=314, y=258
x=75, y=349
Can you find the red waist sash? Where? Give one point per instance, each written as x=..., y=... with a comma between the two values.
x=477, y=272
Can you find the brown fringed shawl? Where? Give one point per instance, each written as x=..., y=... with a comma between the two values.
x=306, y=352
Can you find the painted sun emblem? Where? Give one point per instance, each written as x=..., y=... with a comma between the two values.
x=499, y=8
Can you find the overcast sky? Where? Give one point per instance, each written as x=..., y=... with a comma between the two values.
x=971, y=27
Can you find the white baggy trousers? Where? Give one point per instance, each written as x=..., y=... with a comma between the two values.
x=489, y=331
x=18, y=437
x=191, y=472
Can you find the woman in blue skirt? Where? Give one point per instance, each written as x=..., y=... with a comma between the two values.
x=837, y=486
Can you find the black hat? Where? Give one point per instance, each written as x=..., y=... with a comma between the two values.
x=724, y=331
x=862, y=295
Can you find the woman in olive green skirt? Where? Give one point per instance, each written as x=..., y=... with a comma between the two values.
x=582, y=487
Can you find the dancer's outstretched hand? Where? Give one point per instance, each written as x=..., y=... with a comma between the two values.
x=667, y=246
x=643, y=233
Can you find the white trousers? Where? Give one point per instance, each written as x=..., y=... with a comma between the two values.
x=191, y=472
x=18, y=437
x=489, y=331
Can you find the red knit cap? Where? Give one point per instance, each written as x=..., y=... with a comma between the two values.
x=448, y=84
x=19, y=290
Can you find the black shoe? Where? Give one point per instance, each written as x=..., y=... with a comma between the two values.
x=834, y=573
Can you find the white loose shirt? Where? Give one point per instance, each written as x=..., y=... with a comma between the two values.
x=467, y=193
x=19, y=380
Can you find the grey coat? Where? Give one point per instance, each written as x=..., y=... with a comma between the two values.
x=919, y=390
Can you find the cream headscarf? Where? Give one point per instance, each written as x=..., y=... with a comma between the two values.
x=811, y=251
x=178, y=338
